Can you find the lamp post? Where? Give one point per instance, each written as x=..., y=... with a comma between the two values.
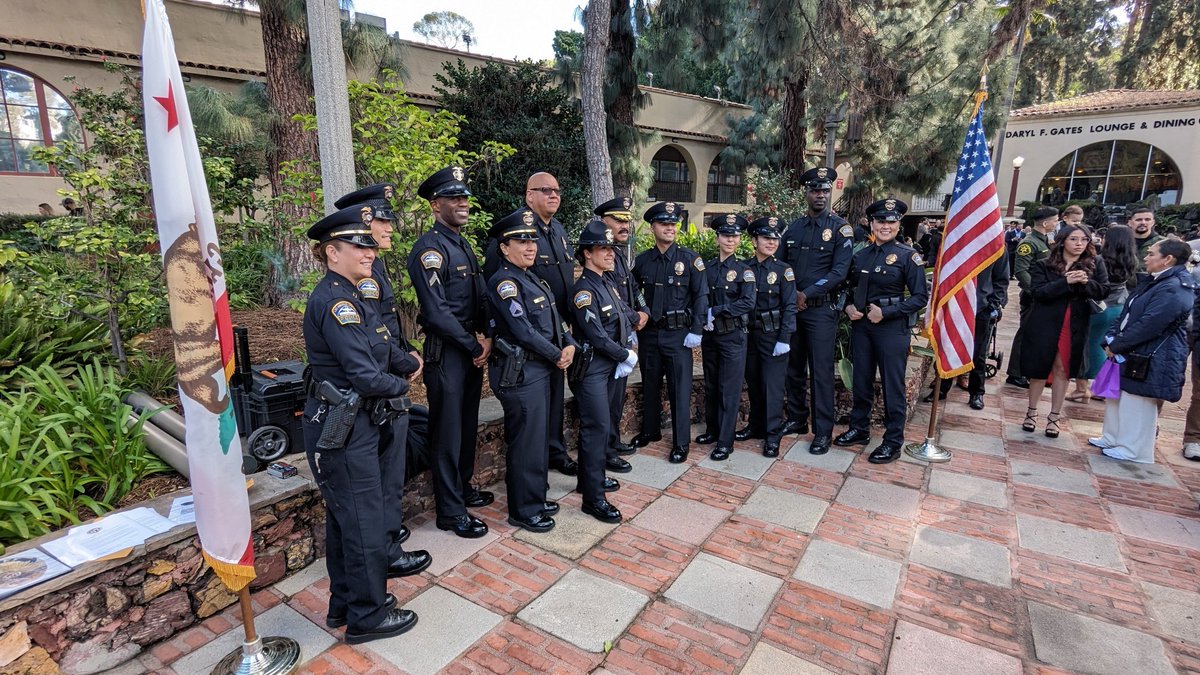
x=1012, y=191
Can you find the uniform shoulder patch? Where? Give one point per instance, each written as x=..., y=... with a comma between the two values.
x=583, y=299
x=916, y=257
x=345, y=313
x=847, y=231
x=369, y=289
x=748, y=275
x=431, y=259
x=789, y=274
x=506, y=289
x=1025, y=249
x=698, y=264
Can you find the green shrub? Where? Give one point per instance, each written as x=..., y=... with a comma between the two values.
x=247, y=267
x=703, y=241
x=31, y=335
x=154, y=375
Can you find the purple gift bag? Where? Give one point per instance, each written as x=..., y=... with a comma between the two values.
x=1108, y=381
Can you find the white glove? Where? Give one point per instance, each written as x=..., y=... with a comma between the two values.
x=781, y=348
x=691, y=341
x=626, y=367
x=709, y=324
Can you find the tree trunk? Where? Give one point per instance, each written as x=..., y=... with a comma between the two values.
x=595, y=134
x=284, y=44
x=623, y=135
x=793, y=128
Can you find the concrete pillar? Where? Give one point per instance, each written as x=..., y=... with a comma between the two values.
x=333, y=103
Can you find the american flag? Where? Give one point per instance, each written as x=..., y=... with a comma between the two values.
x=974, y=238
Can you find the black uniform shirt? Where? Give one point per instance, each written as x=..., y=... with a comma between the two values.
x=525, y=313
x=776, y=290
x=348, y=345
x=600, y=316
x=819, y=251
x=673, y=281
x=555, y=262
x=378, y=294
x=731, y=287
x=623, y=280
x=446, y=276
x=890, y=268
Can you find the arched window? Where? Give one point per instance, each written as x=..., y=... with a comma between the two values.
x=1112, y=172
x=672, y=182
x=32, y=114
x=724, y=186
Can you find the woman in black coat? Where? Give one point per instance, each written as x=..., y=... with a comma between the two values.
x=1053, y=337
x=1153, y=323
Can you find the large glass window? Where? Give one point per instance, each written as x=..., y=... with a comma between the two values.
x=724, y=187
x=1112, y=172
x=32, y=114
x=672, y=181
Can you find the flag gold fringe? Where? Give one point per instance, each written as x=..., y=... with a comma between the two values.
x=233, y=575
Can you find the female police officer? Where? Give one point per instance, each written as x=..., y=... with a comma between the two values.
x=772, y=322
x=882, y=315
x=605, y=323
x=348, y=352
x=531, y=343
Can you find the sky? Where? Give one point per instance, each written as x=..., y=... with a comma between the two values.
x=500, y=28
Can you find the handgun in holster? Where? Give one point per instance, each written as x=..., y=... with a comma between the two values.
x=385, y=410
x=583, y=360
x=511, y=359
x=340, y=420
x=433, y=348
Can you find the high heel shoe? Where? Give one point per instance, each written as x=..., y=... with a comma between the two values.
x=1052, y=424
x=1030, y=423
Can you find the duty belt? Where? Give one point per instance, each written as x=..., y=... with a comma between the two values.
x=727, y=324
x=675, y=319
x=887, y=302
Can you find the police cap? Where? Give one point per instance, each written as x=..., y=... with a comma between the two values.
x=818, y=178
x=662, y=212
x=596, y=233
x=377, y=195
x=767, y=226
x=730, y=224
x=887, y=209
x=352, y=224
x=617, y=207
x=517, y=225
x=1044, y=212
x=449, y=182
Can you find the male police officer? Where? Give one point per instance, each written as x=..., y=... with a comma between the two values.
x=1034, y=247
x=818, y=246
x=880, y=275
x=731, y=289
x=672, y=279
x=771, y=324
x=446, y=277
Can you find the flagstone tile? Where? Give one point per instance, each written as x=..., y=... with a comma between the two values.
x=574, y=534
x=585, y=610
x=1102, y=465
x=725, y=590
x=859, y=575
x=965, y=556
x=960, y=486
x=1068, y=541
x=768, y=660
x=1177, y=611
x=1081, y=643
x=652, y=471
x=918, y=650
x=280, y=620
x=747, y=464
x=972, y=442
x=836, y=459
x=303, y=578
x=684, y=519
x=1161, y=527
x=447, y=549
x=1053, y=477
x=793, y=511
x=447, y=625
x=870, y=495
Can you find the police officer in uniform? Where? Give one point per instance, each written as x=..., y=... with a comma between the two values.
x=731, y=290
x=818, y=246
x=991, y=295
x=376, y=203
x=604, y=323
x=672, y=279
x=882, y=318
x=349, y=352
x=616, y=215
x=771, y=324
x=1033, y=248
x=450, y=289
x=532, y=344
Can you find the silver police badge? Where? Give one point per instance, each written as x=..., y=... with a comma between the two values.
x=731, y=219
x=773, y=221
x=625, y=203
x=669, y=207
x=890, y=259
x=890, y=205
x=678, y=269
x=367, y=215
x=387, y=192
x=458, y=174
x=822, y=173
x=772, y=278
x=730, y=275
x=826, y=235
x=527, y=218
x=608, y=236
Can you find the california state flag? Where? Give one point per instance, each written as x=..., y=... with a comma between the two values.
x=199, y=308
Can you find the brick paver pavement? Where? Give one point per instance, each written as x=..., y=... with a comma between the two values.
x=1035, y=556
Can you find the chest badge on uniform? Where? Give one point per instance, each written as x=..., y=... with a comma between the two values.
x=730, y=275
x=583, y=299
x=369, y=289
x=890, y=259
x=345, y=312
x=772, y=278
x=506, y=289
x=789, y=275
x=678, y=269
x=826, y=235
x=748, y=275
x=431, y=260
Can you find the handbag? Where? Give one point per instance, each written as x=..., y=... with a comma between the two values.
x=1097, y=306
x=1108, y=380
x=1137, y=366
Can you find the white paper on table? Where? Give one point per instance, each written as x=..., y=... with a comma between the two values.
x=27, y=568
x=107, y=536
x=183, y=510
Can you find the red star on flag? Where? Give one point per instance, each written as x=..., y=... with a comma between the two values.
x=168, y=103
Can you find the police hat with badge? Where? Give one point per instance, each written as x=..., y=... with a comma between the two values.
x=617, y=207
x=519, y=224
x=351, y=224
x=377, y=196
x=818, y=178
x=449, y=182
x=890, y=210
x=663, y=212
x=731, y=224
x=767, y=226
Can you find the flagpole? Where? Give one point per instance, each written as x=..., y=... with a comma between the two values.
x=259, y=656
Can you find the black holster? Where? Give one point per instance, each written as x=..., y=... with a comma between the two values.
x=728, y=324
x=769, y=321
x=583, y=360
x=340, y=420
x=385, y=410
x=433, y=348
x=678, y=319
x=511, y=359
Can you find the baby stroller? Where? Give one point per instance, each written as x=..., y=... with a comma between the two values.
x=992, y=364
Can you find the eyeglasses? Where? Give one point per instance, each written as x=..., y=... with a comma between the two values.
x=548, y=191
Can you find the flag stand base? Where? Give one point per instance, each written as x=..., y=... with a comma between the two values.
x=928, y=452
x=263, y=656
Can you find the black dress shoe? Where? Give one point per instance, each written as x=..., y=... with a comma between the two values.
x=611, y=484
x=617, y=465
x=720, y=454
x=771, y=450
x=678, y=455
x=976, y=401
x=567, y=467
x=793, y=427
x=539, y=522
x=929, y=397
x=395, y=622
x=819, y=445
x=853, y=437
x=884, y=453
x=706, y=438
x=403, y=534
x=1017, y=381
x=624, y=449
x=603, y=511
x=642, y=440
x=549, y=508
x=467, y=527
x=745, y=434
x=409, y=563
x=477, y=498
x=339, y=620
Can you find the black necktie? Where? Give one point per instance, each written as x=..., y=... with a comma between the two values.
x=864, y=280
x=805, y=251
x=660, y=291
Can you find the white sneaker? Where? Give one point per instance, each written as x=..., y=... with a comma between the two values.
x=1192, y=451
x=1099, y=443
